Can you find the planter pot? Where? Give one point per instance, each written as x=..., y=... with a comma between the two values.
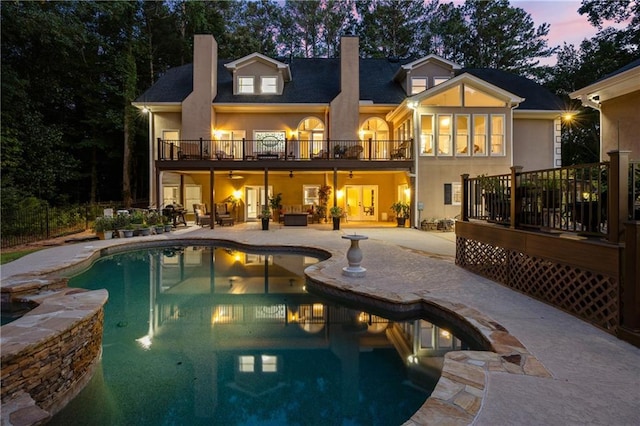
x=159, y=229
x=265, y=224
x=106, y=235
x=168, y=228
x=336, y=223
x=401, y=221
x=126, y=233
x=144, y=231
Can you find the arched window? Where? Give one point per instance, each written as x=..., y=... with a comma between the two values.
x=310, y=137
x=376, y=130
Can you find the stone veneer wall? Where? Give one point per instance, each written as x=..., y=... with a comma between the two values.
x=51, y=353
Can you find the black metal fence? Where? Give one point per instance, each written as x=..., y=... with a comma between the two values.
x=28, y=224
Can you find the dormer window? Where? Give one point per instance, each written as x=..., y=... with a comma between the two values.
x=418, y=84
x=245, y=85
x=269, y=85
x=438, y=80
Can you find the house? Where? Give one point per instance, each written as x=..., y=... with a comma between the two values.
x=375, y=130
x=617, y=97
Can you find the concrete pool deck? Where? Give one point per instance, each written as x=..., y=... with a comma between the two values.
x=581, y=375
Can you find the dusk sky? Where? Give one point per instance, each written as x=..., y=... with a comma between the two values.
x=567, y=25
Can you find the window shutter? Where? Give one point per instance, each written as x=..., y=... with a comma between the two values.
x=447, y=193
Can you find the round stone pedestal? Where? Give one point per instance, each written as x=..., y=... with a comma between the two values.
x=354, y=257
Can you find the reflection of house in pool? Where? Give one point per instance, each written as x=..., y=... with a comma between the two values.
x=252, y=312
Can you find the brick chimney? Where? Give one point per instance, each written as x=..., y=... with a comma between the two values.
x=197, y=111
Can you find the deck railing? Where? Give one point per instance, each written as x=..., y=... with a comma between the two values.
x=287, y=150
x=569, y=199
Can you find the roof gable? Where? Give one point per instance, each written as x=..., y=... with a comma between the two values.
x=258, y=57
x=469, y=79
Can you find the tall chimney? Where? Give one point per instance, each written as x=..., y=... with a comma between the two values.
x=345, y=108
x=197, y=110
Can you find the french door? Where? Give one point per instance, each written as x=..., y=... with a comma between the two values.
x=256, y=200
x=361, y=202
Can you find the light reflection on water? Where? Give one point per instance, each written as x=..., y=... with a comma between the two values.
x=202, y=335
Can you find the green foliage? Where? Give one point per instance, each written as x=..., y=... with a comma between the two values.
x=104, y=223
x=276, y=201
x=336, y=211
x=401, y=209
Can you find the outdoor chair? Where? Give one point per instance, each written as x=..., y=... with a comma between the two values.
x=202, y=217
x=353, y=152
x=223, y=216
x=400, y=152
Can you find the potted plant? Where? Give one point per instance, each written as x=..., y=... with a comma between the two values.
x=323, y=197
x=104, y=227
x=167, y=223
x=336, y=214
x=275, y=203
x=401, y=209
x=120, y=222
x=138, y=220
x=265, y=216
x=155, y=221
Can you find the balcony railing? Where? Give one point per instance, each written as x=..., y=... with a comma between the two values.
x=286, y=150
x=569, y=199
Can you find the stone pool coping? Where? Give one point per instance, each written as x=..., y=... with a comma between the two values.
x=475, y=387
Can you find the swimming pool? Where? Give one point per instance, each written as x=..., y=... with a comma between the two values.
x=214, y=335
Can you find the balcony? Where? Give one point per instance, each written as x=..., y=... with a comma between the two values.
x=285, y=150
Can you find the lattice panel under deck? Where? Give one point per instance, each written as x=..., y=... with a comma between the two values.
x=585, y=294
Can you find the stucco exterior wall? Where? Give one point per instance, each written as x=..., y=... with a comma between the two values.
x=533, y=144
x=166, y=121
x=260, y=121
x=620, y=120
x=435, y=172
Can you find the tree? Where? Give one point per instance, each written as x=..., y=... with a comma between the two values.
x=503, y=37
x=390, y=28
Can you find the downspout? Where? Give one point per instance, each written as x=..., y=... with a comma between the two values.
x=415, y=179
x=152, y=164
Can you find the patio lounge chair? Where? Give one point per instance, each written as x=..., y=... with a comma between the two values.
x=202, y=217
x=223, y=216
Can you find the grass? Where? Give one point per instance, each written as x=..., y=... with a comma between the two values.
x=6, y=257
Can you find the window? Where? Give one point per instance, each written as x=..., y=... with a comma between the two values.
x=475, y=98
x=269, y=364
x=245, y=85
x=426, y=135
x=497, y=134
x=418, y=84
x=479, y=135
x=269, y=85
x=438, y=80
x=462, y=135
x=246, y=364
x=310, y=194
x=453, y=193
x=445, y=131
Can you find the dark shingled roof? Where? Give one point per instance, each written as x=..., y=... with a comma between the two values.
x=173, y=86
x=317, y=81
x=536, y=97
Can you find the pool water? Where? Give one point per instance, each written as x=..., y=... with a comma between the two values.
x=215, y=336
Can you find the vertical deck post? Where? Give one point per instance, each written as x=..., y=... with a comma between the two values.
x=464, y=208
x=515, y=200
x=617, y=194
x=630, y=291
